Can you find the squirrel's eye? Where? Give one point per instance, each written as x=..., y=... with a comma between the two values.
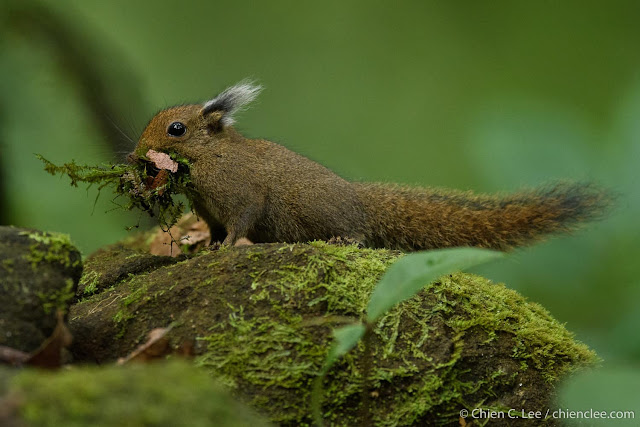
x=176, y=129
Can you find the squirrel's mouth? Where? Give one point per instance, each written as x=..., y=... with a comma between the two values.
x=155, y=162
x=162, y=161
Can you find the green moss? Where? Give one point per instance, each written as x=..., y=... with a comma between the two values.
x=109, y=267
x=471, y=311
x=89, y=283
x=274, y=339
x=264, y=314
x=51, y=247
x=137, y=291
x=57, y=299
x=136, y=183
x=8, y=265
x=309, y=280
x=539, y=340
x=285, y=352
x=166, y=394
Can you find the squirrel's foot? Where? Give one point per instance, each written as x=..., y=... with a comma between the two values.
x=243, y=241
x=214, y=246
x=345, y=241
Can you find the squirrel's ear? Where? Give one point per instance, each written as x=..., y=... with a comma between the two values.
x=222, y=108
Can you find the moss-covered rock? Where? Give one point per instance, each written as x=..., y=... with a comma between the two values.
x=159, y=394
x=39, y=273
x=262, y=316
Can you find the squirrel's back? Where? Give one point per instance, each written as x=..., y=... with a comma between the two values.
x=305, y=200
x=412, y=219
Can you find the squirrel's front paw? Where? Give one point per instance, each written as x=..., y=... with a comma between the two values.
x=214, y=246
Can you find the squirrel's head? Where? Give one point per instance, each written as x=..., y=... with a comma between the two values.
x=185, y=128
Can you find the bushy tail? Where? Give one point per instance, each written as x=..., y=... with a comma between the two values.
x=413, y=219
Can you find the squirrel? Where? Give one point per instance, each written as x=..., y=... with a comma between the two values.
x=258, y=190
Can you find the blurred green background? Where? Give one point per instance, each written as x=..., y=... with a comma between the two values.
x=488, y=96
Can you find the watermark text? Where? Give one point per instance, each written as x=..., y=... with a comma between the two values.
x=565, y=414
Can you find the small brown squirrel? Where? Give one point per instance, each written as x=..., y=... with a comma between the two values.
x=259, y=190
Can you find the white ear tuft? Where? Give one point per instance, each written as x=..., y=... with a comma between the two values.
x=232, y=100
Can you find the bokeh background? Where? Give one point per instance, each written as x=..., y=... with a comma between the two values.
x=487, y=96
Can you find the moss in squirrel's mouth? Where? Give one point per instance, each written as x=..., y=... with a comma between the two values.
x=147, y=183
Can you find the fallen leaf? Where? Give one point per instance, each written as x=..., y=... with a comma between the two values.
x=156, y=346
x=49, y=355
x=189, y=233
x=187, y=349
x=159, y=181
x=162, y=161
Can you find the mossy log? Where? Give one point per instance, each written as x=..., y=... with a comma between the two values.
x=136, y=395
x=39, y=273
x=261, y=317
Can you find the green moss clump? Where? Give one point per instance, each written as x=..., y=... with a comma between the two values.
x=8, y=265
x=106, y=268
x=58, y=299
x=160, y=394
x=88, y=284
x=141, y=184
x=138, y=290
x=51, y=247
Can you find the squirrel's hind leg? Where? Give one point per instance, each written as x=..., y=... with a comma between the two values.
x=217, y=232
x=240, y=227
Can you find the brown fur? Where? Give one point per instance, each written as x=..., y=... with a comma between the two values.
x=419, y=218
x=259, y=190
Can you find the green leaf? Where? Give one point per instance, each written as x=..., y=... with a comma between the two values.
x=611, y=391
x=345, y=339
x=412, y=272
